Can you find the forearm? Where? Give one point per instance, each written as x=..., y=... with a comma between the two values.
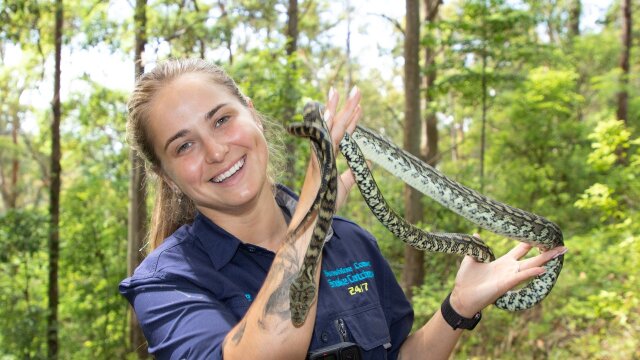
x=267, y=324
x=435, y=340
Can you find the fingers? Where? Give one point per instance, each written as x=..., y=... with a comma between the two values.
x=339, y=122
x=543, y=258
x=519, y=251
x=344, y=120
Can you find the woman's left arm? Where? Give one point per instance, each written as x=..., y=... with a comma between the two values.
x=476, y=286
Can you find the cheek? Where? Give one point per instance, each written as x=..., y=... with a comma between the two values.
x=185, y=170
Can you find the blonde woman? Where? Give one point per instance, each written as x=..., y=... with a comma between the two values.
x=216, y=283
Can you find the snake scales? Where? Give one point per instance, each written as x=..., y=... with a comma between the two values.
x=489, y=214
x=303, y=290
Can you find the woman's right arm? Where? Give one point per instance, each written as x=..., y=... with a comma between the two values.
x=266, y=331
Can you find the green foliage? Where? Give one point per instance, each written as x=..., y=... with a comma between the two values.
x=22, y=290
x=553, y=147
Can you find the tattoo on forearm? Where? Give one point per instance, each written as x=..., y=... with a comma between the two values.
x=237, y=336
x=278, y=302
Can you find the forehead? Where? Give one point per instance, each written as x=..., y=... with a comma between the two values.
x=187, y=97
x=190, y=89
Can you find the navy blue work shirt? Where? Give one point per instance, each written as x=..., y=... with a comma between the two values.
x=194, y=288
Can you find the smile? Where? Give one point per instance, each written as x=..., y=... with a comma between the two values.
x=227, y=174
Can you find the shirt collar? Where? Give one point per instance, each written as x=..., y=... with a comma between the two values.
x=221, y=246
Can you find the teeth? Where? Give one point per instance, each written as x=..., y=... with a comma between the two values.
x=224, y=176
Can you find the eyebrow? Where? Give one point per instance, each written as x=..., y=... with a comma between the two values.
x=177, y=135
x=213, y=111
x=210, y=114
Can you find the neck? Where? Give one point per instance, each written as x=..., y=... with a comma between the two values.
x=260, y=223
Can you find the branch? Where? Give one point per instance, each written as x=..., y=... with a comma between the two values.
x=394, y=22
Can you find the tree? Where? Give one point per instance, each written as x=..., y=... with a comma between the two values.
x=10, y=118
x=291, y=95
x=413, y=272
x=54, y=194
x=137, y=190
x=624, y=60
x=574, y=18
x=431, y=122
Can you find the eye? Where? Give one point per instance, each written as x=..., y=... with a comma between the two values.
x=184, y=147
x=222, y=121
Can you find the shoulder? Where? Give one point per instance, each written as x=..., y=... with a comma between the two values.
x=168, y=260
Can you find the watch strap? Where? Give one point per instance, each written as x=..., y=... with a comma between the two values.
x=455, y=320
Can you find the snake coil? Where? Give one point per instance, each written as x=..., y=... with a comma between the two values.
x=487, y=213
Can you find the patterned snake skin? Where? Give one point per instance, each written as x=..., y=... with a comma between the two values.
x=303, y=290
x=492, y=215
x=489, y=214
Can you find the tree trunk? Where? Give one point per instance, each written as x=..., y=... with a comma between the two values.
x=228, y=34
x=624, y=60
x=413, y=272
x=431, y=129
x=137, y=230
x=484, y=99
x=574, y=18
x=15, y=166
x=292, y=96
x=54, y=195
x=9, y=188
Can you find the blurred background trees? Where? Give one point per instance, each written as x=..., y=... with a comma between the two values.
x=532, y=102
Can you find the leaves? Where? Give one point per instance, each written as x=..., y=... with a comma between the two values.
x=553, y=147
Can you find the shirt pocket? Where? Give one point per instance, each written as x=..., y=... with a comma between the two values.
x=368, y=328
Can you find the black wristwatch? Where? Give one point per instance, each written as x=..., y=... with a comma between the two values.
x=455, y=320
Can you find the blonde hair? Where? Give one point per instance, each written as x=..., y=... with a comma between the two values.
x=171, y=209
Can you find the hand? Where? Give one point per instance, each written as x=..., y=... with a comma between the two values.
x=339, y=123
x=480, y=284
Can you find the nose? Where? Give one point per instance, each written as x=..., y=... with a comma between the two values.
x=215, y=151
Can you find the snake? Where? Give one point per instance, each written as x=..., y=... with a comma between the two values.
x=302, y=290
x=492, y=215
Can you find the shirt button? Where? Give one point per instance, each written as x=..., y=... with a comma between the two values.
x=325, y=337
x=251, y=249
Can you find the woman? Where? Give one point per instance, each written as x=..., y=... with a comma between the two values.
x=217, y=282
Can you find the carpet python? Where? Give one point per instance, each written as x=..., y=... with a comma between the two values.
x=303, y=290
x=487, y=213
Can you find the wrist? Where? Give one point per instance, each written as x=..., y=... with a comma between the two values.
x=457, y=320
x=461, y=306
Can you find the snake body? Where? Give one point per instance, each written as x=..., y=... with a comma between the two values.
x=485, y=212
x=302, y=291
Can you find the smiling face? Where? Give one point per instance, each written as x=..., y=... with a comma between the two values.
x=211, y=147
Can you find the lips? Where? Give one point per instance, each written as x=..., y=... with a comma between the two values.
x=229, y=173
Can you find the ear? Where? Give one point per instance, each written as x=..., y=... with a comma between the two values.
x=256, y=117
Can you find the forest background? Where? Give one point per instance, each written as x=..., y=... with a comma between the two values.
x=519, y=99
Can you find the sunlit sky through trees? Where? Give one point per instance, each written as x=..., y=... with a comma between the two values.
x=372, y=39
